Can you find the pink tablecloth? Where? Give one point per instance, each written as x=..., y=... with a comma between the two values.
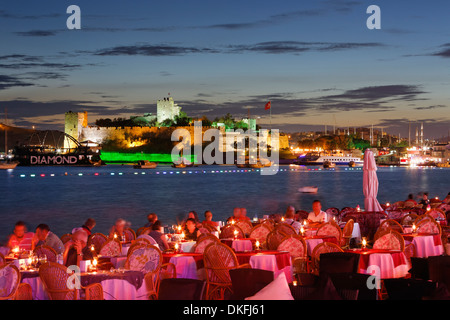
x=384, y=264
x=239, y=245
x=426, y=245
x=276, y=261
x=187, y=264
x=312, y=242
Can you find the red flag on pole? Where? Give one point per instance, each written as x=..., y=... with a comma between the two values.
x=268, y=105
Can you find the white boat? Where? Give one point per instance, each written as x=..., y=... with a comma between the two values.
x=145, y=164
x=317, y=159
x=308, y=189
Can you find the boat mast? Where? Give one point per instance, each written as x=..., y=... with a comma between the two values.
x=6, y=135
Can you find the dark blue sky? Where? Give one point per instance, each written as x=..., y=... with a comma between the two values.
x=315, y=60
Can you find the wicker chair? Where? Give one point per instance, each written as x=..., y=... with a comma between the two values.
x=111, y=247
x=97, y=240
x=398, y=205
x=246, y=226
x=147, y=238
x=297, y=248
x=330, y=229
x=137, y=244
x=24, y=292
x=332, y=212
x=228, y=232
x=55, y=276
x=302, y=214
x=218, y=259
x=203, y=242
x=323, y=247
x=429, y=227
x=389, y=240
x=347, y=234
x=410, y=251
x=10, y=279
x=286, y=228
x=390, y=224
x=437, y=214
x=94, y=292
x=66, y=237
x=142, y=230
x=47, y=251
x=408, y=219
x=274, y=239
x=259, y=233
x=130, y=235
x=423, y=217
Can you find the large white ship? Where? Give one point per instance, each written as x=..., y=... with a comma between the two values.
x=318, y=159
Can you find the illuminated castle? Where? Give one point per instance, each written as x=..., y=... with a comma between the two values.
x=75, y=122
x=166, y=109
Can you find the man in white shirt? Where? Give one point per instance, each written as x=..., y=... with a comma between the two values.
x=289, y=219
x=317, y=215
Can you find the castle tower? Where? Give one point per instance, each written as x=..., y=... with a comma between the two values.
x=166, y=109
x=73, y=126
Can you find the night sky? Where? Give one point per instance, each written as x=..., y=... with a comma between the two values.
x=316, y=61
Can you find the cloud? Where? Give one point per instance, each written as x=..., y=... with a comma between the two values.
x=151, y=50
x=443, y=53
x=431, y=107
x=7, y=82
x=37, y=33
x=7, y=15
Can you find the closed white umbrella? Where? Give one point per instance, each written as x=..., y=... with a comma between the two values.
x=370, y=183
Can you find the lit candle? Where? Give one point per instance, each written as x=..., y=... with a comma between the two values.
x=92, y=248
x=388, y=204
x=257, y=245
x=282, y=219
x=414, y=227
x=255, y=219
x=235, y=234
x=115, y=235
x=358, y=208
x=176, y=247
x=428, y=208
x=364, y=243
x=302, y=230
x=233, y=222
x=179, y=229
x=294, y=283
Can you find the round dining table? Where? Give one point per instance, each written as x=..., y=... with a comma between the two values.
x=427, y=245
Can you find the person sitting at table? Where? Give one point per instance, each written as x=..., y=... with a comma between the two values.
x=159, y=237
x=20, y=237
x=192, y=232
x=289, y=219
x=44, y=236
x=87, y=227
x=425, y=201
x=118, y=229
x=317, y=215
x=410, y=201
x=152, y=218
x=208, y=220
x=243, y=215
x=192, y=215
x=76, y=249
x=236, y=215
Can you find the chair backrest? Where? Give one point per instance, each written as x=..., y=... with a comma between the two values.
x=181, y=289
x=54, y=276
x=429, y=227
x=409, y=204
x=322, y=248
x=408, y=219
x=390, y=224
x=302, y=214
x=228, y=232
x=410, y=251
x=24, y=292
x=111, y=248
x=9, y=281
x=332, y=212
x=389, y=240
x=395, y=214
x=203, y=242
x=247, y=282
x=274, y=239
x=145, y=259
x=346, y=210
x=437, y=214
x=66, y=237
x=45, y=250
x=348, y=228
x=330, y=229
x=94, y=292
x=218, y=259
x=422, y=217
x=398, y=204
x=97, y=240
x=286, y=228
x=294, y=244
x=130, y=235
x=146, y=237
x=245, y=225
x=260, y=232
x=141, y=230
x=339, y=262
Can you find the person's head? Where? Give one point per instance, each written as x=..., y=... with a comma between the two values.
x=410, y=196
x=156, y=225
x=193, y=215
x=425, y=195
x=243, y=212
x=20, y=229
x=208, y=215
x=317, y=206
x=42, y=231
x=290, y=212
x=152, y=217
x=237, y=212
x=80, y=235
x=90, y=223
x=190, y=225
x=120, y=225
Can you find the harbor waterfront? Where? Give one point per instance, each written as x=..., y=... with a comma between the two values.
x=64, y=197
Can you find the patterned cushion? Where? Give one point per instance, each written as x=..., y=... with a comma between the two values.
x=111, y=249
x=388, y=242
x=8, y=281
x=329, y=229
x=200, y=247
x=429, y=227
x=260, y=233
x=294, y=246
x=144, y=259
